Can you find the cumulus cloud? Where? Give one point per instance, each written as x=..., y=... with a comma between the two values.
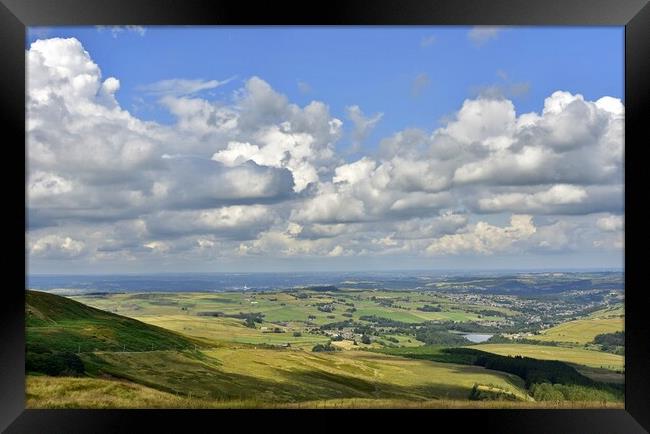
x=484, y=238
x=259, y=175
x=56, y=246
x=560, y=194
x=363, y=124
x=610, y=223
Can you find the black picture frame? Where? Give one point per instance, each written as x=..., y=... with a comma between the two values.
x=16, y=15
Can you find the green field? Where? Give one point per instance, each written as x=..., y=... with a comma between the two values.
x=596, y=359
x=294, y=375
x=60, y=324
x=205, y=350
x=581, y=331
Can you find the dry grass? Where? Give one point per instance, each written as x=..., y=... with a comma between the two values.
x=582, y=331
x=66, y=392
x=596, y=359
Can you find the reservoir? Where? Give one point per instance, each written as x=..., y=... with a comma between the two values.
x=477, y=338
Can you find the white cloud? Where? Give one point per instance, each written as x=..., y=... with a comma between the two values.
x=56, y=247
x=560, y=194
x=259, y=175
x=45, y=185
x=116, y=30
x=363, y=125
x=483, y=238
x=610, y=223
x=480, y=35
x=179, y=87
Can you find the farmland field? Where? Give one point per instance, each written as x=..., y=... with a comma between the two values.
x=300, y=347
x=580, y=356
x=582, y=331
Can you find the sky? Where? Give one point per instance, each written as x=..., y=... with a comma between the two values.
x=324, y=148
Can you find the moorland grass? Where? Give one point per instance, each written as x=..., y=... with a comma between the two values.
x=66, y=392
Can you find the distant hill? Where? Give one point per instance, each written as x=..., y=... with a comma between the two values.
x=58, y=324
x=321, y=288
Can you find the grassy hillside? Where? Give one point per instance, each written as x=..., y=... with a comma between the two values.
x=58, y=324
x=267, y=375
x=221, y=330
x=57, y=392
x=582, y=331
x=199, y=350
x=596, y=359
x=546, y=380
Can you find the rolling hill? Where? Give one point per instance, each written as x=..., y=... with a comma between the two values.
x=58, y=324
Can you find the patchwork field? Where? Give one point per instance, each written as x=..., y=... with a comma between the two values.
x=293, y=348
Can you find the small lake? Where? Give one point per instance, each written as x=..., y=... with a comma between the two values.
x=477, y=338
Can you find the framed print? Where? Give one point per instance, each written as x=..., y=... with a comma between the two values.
x=347, y=213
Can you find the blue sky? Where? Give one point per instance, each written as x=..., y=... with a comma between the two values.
x=377, y=83
x=374, y=67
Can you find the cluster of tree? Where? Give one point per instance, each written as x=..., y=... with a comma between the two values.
x=363, y=329
x=611, y=342
x=470, y=327
x=384, y=322
x=325, y=307
x=573, y=392
x=249, y=318
x=386, y=302
x=547, y=380
x=430, y=308
x=489, y=312
x=210, y=313
x=339, y=325
x=322, y=288
x=434, y=336
x=530, y=370
x=337, y=338
x=365, y=339
x=491, y=393
x=56, y=363
x=255, y=316
x=499, y=339
x=324, y=347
